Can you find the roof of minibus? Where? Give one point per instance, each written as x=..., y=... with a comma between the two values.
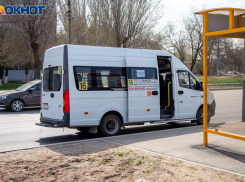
x=112, y=51
x=75, y=51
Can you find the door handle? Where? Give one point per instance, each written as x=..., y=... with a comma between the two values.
x=52, y=95
x=154, y=92
x=180, y=92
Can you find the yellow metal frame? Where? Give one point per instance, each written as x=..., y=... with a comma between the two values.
x=218, y=9
x=222, y=33
x=168, y=95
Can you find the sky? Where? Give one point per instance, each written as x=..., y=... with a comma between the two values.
x=176, y=9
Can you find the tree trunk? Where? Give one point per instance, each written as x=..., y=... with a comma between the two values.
x=6, y=75
x=37, y=74
x=7, y=72
x=27, y=72
x=193, y=62
x=35, y=49
x=1, y=75
x=27, y=78
x=218, y=60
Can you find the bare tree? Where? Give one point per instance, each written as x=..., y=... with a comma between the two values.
x=234, y=54
x=39, y=30
x=128, y=20
x=185, y=41
x=5, y=48
x=175, y=41
x=113, y=23
x=193, y=27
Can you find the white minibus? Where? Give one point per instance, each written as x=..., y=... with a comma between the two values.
x=102, y=89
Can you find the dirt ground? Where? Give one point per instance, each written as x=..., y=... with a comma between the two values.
x=97, y=160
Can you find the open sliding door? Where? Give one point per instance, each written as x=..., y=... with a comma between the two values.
x=143, y=89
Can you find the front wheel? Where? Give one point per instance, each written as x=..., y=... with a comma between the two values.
x=110, y=125
x=17, y=105
x=200, y=117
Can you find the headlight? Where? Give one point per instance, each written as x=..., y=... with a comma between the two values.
x=3, y=97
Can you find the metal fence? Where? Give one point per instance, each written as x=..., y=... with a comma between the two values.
x=19, y=75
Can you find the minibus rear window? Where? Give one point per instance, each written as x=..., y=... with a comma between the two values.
x=52, y=79
x=99, y=78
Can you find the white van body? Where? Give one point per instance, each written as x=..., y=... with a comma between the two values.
x=94, y=82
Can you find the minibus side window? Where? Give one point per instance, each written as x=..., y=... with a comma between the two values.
x=99, y=78
x=183, y=78
x=193, y=82
x=186, y=80
x=142, y=73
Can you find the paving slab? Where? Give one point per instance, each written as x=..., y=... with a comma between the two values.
x=187, y=143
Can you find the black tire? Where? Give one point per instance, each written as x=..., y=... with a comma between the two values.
x=17, y=105
x=200, y=116
x=110, y=125
x=84, y=129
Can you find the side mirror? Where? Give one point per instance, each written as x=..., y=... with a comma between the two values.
x=31, y=90
x=200, y=86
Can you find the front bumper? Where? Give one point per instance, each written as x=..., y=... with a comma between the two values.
x=4, y=103
x=212, y=108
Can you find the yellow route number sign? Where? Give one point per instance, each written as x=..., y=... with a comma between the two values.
x=59, y=70
x=130, y=82
x=83, y=85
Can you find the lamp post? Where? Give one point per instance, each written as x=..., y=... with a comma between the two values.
x=69, y=15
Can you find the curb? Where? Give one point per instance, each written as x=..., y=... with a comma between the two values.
x=225, y=88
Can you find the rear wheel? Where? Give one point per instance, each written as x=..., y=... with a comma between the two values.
x=110, y=125
x=84, y=129
x=200, y=117
x=17, y=105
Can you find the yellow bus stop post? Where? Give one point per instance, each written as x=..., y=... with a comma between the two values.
x=221, y=33
x=205, y=50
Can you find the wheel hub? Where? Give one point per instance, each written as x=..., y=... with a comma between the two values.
x=111, y=126
x=17, y=106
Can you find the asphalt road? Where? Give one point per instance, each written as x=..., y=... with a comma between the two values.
x=228, y=106
x=18, y=130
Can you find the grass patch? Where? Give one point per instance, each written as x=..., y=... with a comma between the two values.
x=223, y=80
x=11, y=85
x=120, y=154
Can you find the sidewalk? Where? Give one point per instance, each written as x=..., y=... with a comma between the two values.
x=187, y=143
x=165, y=155
x=236, y=127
